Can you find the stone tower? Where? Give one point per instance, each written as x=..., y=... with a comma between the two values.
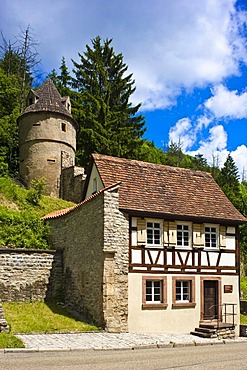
x=47, y=137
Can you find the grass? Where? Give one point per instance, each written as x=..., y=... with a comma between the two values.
x=243, y=319
x=10, y=341
x=243, y=286
x=39, y=317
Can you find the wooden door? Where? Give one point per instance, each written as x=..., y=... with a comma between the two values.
x=210, y=299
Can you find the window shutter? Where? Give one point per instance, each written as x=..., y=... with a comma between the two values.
x=222, y=236
x=172, y=233
x=198, y=235
x=141, y=231
x=165, y=232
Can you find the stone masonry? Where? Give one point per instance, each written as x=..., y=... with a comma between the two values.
x=115, y=284
x=30, y=275
x=4, y=327
x=95, y=260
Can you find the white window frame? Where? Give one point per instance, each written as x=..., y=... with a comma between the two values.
x=184, y=285
x=155, y=284
x=153, y=228
x=183, y=303
x=211, y=233
x=189, y=225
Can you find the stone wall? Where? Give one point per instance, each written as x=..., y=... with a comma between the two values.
x=30, y=275
x=4, y=327
x=80, y=234
x=94, y=238
x=115, y=287
x=72, y=183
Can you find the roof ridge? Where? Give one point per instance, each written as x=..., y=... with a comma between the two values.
x=65, y=211
x=148, y=164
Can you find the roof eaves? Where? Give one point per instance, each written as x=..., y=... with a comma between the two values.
x=62, y=212
x=179, y=217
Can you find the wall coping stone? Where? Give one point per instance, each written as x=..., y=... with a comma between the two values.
x=27, y=251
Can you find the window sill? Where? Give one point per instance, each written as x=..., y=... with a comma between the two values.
x=146, y=306
x=184, y=305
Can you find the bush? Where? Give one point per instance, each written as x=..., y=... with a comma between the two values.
x=38, y=188
x=22, y=230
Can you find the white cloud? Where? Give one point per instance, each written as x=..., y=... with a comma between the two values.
x=214, y=146
x=240, y=158
x=227, y=104
x=167, y=44
x=182, y=133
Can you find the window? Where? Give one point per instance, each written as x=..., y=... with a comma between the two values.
x=183, y=291
x=64, y=126
x=154, y=292
x=95, y=186
x=210, y=237
x=183, y=235
x=153, y=233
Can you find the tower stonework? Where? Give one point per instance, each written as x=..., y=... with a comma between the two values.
x=47, y=138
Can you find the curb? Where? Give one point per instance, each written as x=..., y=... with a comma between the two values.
x=137, y=347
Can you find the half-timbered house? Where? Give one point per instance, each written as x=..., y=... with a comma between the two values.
x=151, y=248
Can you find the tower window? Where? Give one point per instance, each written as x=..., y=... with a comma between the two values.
x=64, y=126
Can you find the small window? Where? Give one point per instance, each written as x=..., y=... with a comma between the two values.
x=154, y=292
x=64, y=126
x=183, y=292
x=95, y=186
x=183, y=235
x=211, y=237
x=153, y=233
x=51, y=160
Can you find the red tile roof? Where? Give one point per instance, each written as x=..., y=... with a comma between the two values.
x=154, y=188
x=65, y=211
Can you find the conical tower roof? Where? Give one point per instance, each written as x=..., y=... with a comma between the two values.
x=47, y=99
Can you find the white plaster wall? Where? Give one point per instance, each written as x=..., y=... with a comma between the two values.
x=94, y=174
x=171, y=320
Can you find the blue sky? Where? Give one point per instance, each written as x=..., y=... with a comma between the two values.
x=188, y=59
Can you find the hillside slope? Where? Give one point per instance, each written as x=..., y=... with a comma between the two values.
x=20, y=213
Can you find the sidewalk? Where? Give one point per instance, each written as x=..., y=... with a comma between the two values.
x=104, y=341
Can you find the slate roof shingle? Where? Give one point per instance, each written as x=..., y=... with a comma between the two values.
x=154, y=188
x=49, y=100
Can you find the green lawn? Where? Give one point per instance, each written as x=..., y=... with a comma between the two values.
x=38, y=317
x=243, y=286
x=10, y=341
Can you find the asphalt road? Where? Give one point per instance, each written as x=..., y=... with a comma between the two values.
x=232, y=356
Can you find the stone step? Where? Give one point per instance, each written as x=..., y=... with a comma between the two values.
x=201, y=334
x=206, y=330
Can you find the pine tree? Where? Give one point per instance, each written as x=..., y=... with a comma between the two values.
x=229, y=181
x=108, y=122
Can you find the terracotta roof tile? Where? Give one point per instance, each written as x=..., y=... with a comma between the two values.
x=168, y=190
x=65, y=211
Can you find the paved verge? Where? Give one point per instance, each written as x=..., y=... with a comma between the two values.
x=104, y=341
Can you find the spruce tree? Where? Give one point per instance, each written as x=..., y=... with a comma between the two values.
x=108, y=122
x=229, y=181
